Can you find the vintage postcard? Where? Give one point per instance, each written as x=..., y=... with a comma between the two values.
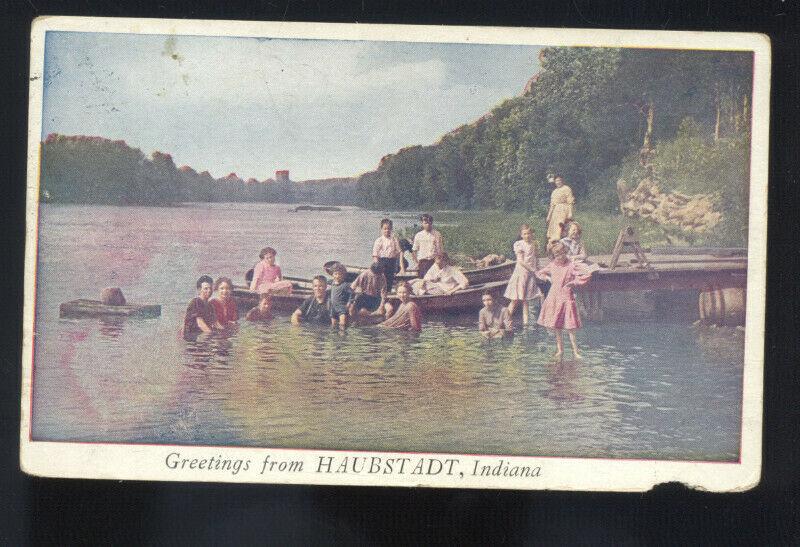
x=395, y=255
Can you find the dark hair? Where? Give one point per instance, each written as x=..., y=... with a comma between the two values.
x=265, y=296
x=426, y=217
x=403, y=284
x=267, y=251
x=205, y=279
x=405, y=245
x=377, y=268
x=339, y=268
x=487, y=293
x=388, y=222
x=221, y=280
x=445, y=257
x=320, y=278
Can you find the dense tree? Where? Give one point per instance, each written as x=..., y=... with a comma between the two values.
x=583, y=114
x=80, y=169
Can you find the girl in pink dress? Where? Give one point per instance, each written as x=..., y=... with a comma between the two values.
x=522, y=285
x=559, y=310
x=267, y=276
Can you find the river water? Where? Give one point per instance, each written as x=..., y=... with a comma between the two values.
x=664, y=390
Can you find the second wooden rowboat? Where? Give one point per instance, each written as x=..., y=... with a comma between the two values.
x=477, y=276
x=466, y=299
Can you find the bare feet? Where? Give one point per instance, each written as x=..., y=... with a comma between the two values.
x=577, y=354
x=557, y=355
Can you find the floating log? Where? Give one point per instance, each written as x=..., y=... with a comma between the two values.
x=95, y=308
x=300, y=208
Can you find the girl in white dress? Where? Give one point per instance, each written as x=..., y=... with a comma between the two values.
x=522, y=285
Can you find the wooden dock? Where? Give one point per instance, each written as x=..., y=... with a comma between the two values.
x=670, y=272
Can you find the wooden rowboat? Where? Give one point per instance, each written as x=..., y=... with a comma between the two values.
x=466, y=299
x=281, y=302
x=477, y=276
x=469, y=299
x=95, y=308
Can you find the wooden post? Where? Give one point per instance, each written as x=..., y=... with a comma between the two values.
x=628, y=239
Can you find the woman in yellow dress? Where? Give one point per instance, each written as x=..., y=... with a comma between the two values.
x=560, y=212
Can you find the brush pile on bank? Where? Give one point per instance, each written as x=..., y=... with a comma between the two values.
x=693, y=214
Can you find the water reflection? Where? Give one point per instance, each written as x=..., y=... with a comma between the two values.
x=642, y=389
x=562, y=380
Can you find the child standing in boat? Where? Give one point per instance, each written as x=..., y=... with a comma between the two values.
x=522, y=285
x=386, y=251
x=224, y=304
x=266, y=275
x=427, y=244
x=559, y=310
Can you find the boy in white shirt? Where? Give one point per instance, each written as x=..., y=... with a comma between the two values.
x=428, y=243
x=386, y=250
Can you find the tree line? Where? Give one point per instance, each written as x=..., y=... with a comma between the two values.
x=585, y=115
x=83, y=169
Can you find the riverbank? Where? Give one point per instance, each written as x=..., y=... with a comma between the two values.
x=480, y=233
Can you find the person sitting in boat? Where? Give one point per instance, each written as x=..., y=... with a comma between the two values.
x=316, y=308
x=224, y=304
x=200, y=316
x=386, y=250
x=340, y=296
x=263, y=312
x=441, y=278
x=267, y=276
x=428, y=243
x=408, y=315
x=576, y=251
x=369, y=292
x=494, y=321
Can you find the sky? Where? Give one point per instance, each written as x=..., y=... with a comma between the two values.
x=319, y=108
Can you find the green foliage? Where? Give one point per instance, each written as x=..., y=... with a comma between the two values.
x=83, y=169
x=586, y=118
x=480, y=233
x=695, y=163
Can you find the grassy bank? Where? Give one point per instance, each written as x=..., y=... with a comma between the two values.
x=479, y=233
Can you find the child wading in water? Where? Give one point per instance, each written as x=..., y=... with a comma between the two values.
x=559, y=310
x=225, y=304
x=522, y=285
x=262, y=312
x=494, y=321
x=340, y=297
x=407, y=316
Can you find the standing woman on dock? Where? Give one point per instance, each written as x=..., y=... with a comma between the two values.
x=560, y=211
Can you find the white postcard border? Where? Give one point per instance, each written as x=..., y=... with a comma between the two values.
x=154, y=462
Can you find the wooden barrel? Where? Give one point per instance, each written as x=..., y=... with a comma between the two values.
x=723, y=306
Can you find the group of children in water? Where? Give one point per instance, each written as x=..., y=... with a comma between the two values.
x=365, y=299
